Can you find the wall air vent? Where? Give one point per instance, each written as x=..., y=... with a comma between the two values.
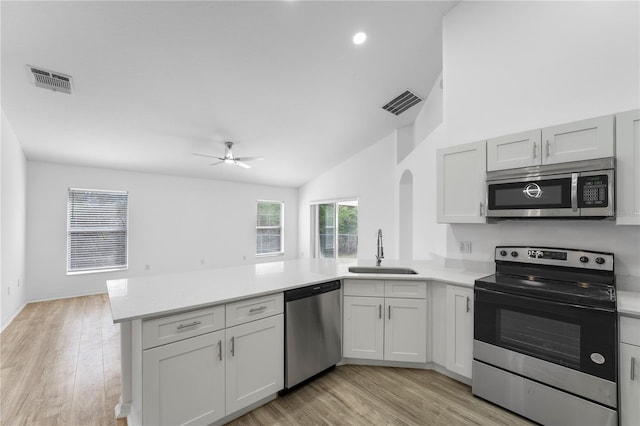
x=401, y=103
x=51, y=80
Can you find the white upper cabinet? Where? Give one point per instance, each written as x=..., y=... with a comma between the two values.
x=580, y=140
x=460, y=180
x=628, y=167
x=518, y=150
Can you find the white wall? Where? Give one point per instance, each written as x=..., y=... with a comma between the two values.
x=175, y=224
x=369, y=177
x=13, y=229
x=514, y=66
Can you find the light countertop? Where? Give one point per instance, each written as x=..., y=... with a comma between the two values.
x=629, y=303
x=149, y=296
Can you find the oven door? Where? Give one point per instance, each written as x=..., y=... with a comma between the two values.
x=538, y=196
x=576, y=337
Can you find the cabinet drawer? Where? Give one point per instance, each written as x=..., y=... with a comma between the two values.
x=254, y=309
x=405, y=289
x=160, y=331
x=630, y=330
x=364, y=288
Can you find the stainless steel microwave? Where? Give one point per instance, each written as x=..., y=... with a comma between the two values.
x=576, y=190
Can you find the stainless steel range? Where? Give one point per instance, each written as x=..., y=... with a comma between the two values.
x=545, y=335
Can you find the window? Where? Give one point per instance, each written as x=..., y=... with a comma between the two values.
x=269, y=228
x=330, y=242
x=97, y=228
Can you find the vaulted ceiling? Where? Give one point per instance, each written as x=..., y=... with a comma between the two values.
x=154, y=82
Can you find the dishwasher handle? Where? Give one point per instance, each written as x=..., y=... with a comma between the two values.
x=312, y=290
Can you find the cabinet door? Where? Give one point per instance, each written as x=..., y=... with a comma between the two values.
x=629, y=384
x=183, y=382
x=580, y=140
x=628, y=168
x=460, y=183
x=255, y=361
x=512, y=151
x=459, y=330
x=363, y=327
x=405, y=330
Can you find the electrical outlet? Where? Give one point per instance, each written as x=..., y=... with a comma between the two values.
x=147, y=267
x=465, y=247
x=202, y=261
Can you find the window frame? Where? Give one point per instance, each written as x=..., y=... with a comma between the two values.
x=315, y=226
x=281, y=227
x=113, y=268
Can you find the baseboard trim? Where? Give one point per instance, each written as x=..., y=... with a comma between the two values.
x=4, y=326
x=49, y=298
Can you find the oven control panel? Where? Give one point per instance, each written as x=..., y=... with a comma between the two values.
x=556, y=256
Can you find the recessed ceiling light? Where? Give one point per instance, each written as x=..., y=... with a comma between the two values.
x=359, y=38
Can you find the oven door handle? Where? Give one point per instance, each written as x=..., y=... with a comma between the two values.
x=483, y=295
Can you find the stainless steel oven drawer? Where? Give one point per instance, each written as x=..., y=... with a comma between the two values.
x=536, y=401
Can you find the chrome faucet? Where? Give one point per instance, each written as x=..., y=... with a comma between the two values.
x=380, y=254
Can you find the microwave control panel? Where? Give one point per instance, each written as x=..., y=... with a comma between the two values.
x=593, y=191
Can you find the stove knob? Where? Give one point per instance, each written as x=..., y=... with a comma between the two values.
x=599, y=260
x=584, y=259
x=514, y=254
x=503, y=252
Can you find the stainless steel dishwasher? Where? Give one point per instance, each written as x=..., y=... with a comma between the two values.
x=313, y=331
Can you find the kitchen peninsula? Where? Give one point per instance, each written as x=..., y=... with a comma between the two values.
x=143, y=300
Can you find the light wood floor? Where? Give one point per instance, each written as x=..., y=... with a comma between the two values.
x=60, y=365
x=365, y=395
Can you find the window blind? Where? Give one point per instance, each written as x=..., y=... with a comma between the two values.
x=97, y=228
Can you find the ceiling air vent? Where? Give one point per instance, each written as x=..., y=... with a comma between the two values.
x=51, y=80
x=401, y=103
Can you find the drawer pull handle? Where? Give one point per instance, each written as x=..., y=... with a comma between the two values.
x=389, y=311
x=548, y=148
x=220, y=350
x=254, y=310
x=233, y=346
x=534, y=150
x=468, y=307
x=193, y=324
x=633, y=368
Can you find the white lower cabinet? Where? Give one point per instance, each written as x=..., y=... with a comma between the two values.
x=629, y=371
x=255, y=361
x=184, y=382
x=459, y=330
x=405, y=330
x=391, y=329
x=202, y=378
x=363, y=335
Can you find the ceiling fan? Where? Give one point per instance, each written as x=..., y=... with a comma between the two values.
x=229, y=158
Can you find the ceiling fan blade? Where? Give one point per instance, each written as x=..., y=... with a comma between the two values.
x=249, y=158
x=208, y=156
x=216, y=163
x=241, y=164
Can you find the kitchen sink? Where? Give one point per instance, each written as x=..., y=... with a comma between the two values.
x=381, y=270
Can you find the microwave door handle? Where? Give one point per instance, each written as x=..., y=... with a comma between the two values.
x=574, y=192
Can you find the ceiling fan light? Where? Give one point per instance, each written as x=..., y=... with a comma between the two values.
x=228, y=161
